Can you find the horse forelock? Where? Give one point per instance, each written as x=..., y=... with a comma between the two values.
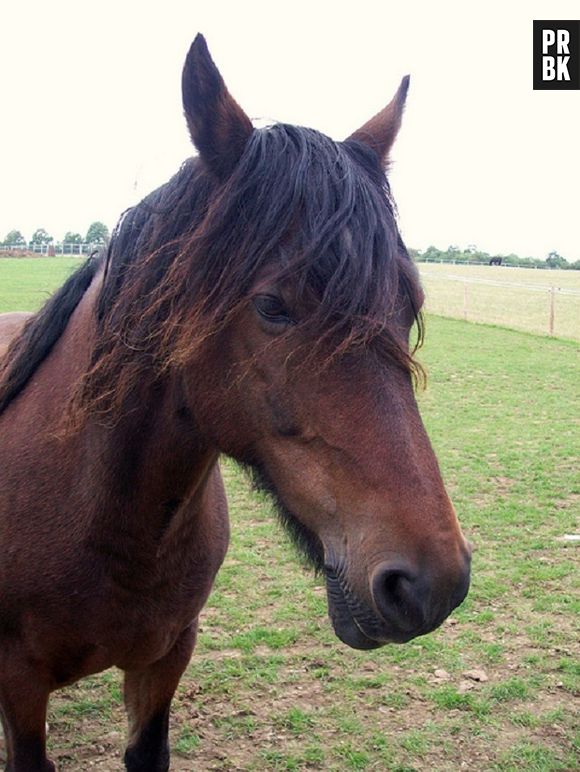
x=185, y=259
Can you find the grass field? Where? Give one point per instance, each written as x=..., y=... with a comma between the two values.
x=518, y=297
x=510, y=297
x=271, y=688
x=27, y=282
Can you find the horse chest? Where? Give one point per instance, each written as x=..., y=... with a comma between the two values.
x=141, y=623
x=154, y=601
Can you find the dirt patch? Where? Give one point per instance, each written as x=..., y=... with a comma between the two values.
x=571, y=501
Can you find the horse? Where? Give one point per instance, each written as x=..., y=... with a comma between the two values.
x=258, y=305
x=495, y=261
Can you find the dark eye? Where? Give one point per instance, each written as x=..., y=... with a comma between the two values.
x=272, y=309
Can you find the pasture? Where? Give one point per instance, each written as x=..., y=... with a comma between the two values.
x=27, y=282
x=270, y=687
x=520, y=298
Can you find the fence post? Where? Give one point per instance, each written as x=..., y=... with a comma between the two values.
x=551, y=317
x=465, y=300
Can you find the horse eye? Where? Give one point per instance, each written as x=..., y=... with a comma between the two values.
x=272, y=309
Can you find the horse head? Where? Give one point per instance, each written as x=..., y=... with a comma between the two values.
x=307, y=375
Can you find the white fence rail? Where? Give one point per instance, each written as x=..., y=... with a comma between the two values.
x=537, y=307
x=523, y=264
x=66, y=248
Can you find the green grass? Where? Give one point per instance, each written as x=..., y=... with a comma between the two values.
x=270, y=687
x=514, y=297
x=534, y=757
x=27, y=282
x=187, y=742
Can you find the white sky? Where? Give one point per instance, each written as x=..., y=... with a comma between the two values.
x=91, y=116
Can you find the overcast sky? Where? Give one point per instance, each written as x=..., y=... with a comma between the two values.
x=91, y=115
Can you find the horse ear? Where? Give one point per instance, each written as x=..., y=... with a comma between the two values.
x=381, y=131
x=218, y=126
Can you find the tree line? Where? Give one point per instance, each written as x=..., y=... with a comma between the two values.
x=473, y=255
x=97, y=233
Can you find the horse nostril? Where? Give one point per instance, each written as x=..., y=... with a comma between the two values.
x=396, y=594
x=392, y=580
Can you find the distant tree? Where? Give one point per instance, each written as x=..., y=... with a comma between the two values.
x=40, y=236
x=14, y=238
x=98, y=233
x=471, y=254
x=432, y=253
x=72, y=238
x=555, y=260
x=475, y=255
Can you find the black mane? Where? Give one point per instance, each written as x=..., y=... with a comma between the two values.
x=294, y=187
x=41, y=332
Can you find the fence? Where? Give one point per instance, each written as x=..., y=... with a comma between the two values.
x=524, y=263
x=509, y=299
x=67, y=248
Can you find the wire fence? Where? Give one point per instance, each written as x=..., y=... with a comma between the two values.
x=492, y=296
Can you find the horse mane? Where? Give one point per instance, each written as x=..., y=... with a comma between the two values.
x=40, y=333
x=181, y=263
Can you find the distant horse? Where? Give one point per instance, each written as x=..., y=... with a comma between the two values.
x=258, y=304
x=495, y=261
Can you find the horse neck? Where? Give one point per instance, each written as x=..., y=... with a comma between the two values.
x=149, y=457
x=155, y=456
x=153, y=478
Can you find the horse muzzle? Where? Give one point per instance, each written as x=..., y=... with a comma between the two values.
x=404, y=604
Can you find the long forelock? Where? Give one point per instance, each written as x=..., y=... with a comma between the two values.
x=328, y=203
x=181, y=263
x=322, y=213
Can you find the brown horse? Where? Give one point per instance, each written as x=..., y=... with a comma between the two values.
x=259, y=304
